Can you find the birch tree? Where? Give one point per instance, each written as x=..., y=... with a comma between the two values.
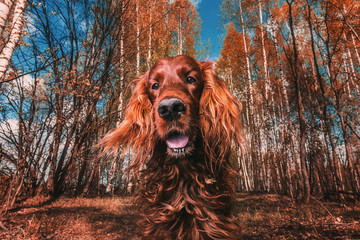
x=5, y=7
x=294, y=64
x=312, y=120
x=15, y=32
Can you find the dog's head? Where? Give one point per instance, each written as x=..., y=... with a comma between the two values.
x=176, y=103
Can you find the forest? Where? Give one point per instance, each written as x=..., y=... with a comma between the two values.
x=66, y=69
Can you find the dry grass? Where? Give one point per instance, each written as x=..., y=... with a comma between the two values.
x=275, y=217
x=73, y=218
x=259, y=216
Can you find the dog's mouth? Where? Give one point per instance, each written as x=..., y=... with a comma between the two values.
x=177, y=143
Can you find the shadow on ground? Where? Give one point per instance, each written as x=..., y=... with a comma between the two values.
x=259, y=217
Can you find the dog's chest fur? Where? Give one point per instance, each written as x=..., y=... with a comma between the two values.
x=183, y=200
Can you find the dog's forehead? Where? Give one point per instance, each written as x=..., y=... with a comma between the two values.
x=175, y=65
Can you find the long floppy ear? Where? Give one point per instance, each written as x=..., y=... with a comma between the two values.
x=219, y=117
x=136, y=130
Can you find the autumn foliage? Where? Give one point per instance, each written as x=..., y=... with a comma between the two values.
x=301, y=94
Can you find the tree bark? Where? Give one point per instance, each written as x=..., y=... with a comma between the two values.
x=137, y=38
x=290, y=128
x=150, y=36
x=5, y=7
x=14, y=37
x=268, y=115
x=252, y=122
x=180, y=37
x=300, y=109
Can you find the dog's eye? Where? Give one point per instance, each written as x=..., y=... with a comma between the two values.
x=155, y=86
x=190, y=80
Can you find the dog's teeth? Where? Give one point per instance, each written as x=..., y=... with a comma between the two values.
x=179, y=150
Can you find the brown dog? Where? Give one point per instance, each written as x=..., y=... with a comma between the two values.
x=180, y=124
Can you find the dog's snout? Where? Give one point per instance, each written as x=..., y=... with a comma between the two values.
x=170, y=109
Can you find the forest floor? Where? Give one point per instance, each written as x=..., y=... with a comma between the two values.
x=267, y=216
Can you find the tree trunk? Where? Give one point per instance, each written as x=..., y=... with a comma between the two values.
x=5, y=7
x=111, y=178
x=268, y=115
x=137, y=38
x=180, y=40
x=14, y=36
x=252, y=122
x=287, y=118
x=336, y=168
x=150, y=36
x=355, y=48
x=301, y=111
x=266, y=71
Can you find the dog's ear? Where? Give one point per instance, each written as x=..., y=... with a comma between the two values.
x=136, y=130
x=219, y=116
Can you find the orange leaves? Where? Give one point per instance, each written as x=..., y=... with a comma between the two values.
x=280, y=12
x=232, y=53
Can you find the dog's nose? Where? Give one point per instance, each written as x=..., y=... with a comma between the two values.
x=170, y=109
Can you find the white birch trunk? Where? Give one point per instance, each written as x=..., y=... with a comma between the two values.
x=137, y=38
x=294, y=151
x=5, y=7
x=355, y=47
x=122, y=77
x=352, y=67
x=180, y=40
x=267, y=78
x=267, y=95
x=150, y=36
x=247, y=58
x=250, y=88
x=14, y=38
x=243, y=167
x=110, y=184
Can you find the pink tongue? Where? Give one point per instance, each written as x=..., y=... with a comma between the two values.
x=177, y=142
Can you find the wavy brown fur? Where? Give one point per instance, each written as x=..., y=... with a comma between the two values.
x=186, y=196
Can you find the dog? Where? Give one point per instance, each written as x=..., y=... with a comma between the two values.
x=180, y=125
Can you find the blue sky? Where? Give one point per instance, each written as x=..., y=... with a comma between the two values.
x=209, y=12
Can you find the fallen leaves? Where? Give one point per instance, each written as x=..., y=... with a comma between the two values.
x=266, y=216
